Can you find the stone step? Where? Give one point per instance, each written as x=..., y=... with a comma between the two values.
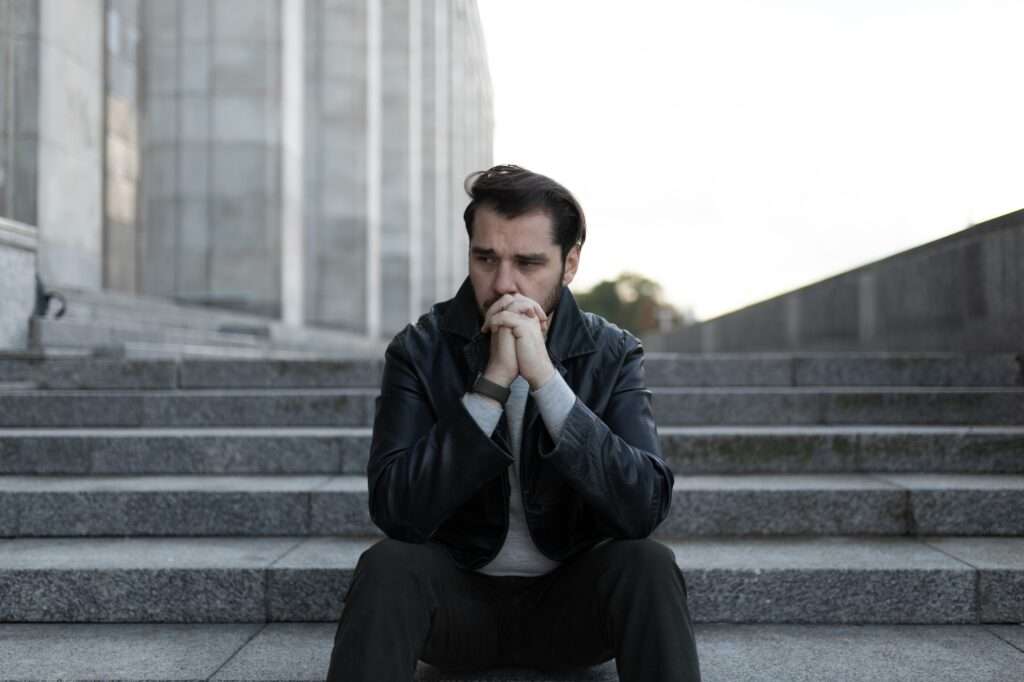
x=85, y=333
x=87, y=372
x=135, y=451
x=662, y=370
x=688, y=450
x=108, y=373
x=156, y=350
x=158, y=327
x=930, y=580
x=98, y=305
x=834, y=369
x=752, y=505
x=839, y=405
x=241, y=407
x=300, y=652
x=348, y=373
x=355, y=407
x=100, y=309
x=843, y=449
x=153, y=341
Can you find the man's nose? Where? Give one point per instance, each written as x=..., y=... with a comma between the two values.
x=505, y=282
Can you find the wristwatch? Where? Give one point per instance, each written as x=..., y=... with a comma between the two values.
x=490, y=389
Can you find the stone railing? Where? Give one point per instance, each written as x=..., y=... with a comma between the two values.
x=963, y=292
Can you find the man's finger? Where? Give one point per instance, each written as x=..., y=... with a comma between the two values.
x=507, y=318
x=499, y=304
x=495, y=307
x=521, y=304
x=504, y=318
x=543, y=316
x=515, y=303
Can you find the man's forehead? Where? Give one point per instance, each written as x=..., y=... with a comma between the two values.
x=527, y=235
x=487, y=251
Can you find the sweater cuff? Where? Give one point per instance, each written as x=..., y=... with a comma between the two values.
x=484, y=412
x=554, y=402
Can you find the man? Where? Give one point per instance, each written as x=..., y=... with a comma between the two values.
x=516, y=471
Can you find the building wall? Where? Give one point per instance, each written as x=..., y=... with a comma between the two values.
x=384, y=179
x=154, y=146
x=470, y=123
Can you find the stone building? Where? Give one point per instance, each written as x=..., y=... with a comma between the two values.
x=297, y=161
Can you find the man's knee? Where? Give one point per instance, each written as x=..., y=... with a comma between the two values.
x=642, y=552
x=393, y=564
x=388, y=554
x=645, y=558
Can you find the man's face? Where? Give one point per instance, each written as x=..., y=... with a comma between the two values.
x=517, y=256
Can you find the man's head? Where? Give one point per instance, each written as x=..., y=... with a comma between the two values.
x=525, y=235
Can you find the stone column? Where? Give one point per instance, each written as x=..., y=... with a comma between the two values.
x=69, y=143
x=121, y=136
x=458, y=242
x=18, y=244
x=399, y=136
x=437, y=187
x=19, y=139
x=19, y=110
x=342, y=190
x=418, y=248
x=867, y=309
x=374, y=163
x=174, y=130
x=213, y=152
x=293, y=19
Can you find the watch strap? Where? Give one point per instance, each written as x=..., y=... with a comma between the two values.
x=490, y=389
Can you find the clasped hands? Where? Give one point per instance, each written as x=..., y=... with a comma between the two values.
x=517, y=325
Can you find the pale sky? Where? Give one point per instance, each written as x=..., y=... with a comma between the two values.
x=734, y=149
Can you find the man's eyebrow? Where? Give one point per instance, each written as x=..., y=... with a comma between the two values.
x=522, y=256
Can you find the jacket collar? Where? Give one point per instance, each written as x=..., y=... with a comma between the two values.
x=568, y=335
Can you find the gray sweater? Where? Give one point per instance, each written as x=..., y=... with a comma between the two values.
x=519, y=556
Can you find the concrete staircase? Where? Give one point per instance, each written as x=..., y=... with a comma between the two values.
x=139, y=326
x=840, y=517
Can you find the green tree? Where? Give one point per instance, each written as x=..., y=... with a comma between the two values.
x=633, y=302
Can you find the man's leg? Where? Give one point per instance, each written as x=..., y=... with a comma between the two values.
x=409, y=601
x=625, y=598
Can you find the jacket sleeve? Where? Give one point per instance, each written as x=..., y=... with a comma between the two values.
x=423, y=467
x=615, y=462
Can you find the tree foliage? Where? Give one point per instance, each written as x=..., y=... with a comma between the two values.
x=633, y=302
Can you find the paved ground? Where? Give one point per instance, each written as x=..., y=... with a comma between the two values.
x=300, y=651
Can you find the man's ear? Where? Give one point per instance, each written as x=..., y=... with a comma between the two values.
x=572, y=262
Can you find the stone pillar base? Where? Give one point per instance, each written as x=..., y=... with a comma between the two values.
x=18, y=246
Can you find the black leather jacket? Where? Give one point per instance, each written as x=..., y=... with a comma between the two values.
x=434, y=474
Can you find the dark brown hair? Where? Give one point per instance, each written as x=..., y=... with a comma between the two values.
x=513, y=191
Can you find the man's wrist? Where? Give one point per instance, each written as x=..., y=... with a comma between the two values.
x=535, y=384
x=491, y=389
x=497, y=378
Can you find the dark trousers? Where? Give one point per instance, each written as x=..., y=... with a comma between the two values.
x=624, y=599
